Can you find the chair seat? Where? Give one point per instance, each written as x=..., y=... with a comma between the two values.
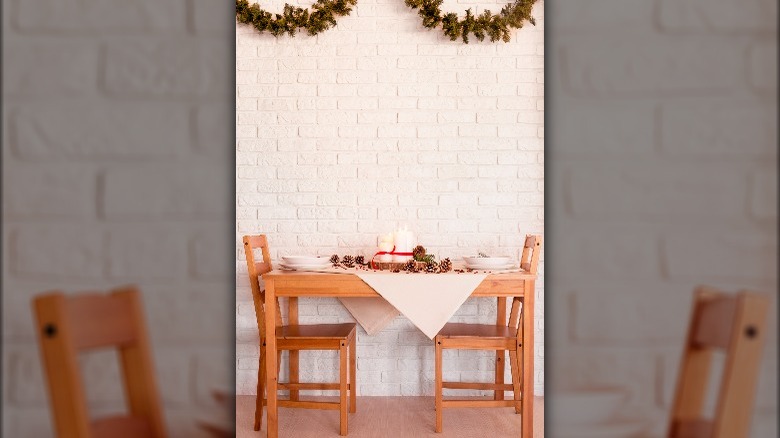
x=487, y=331
x=317, y=331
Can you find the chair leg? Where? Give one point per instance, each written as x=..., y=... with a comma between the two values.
x=438, y=394
x=343, y=387
x=514, y=361
x=260, y=391
x=294, y=367
x=353, y=376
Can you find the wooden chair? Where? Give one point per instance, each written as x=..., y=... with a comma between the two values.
x=294, y=337
x=497, y=337
x=734, y=324
x=68, y=325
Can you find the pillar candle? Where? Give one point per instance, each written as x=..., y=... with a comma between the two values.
x=404, y=242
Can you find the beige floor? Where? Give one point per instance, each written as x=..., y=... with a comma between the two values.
x=398, y=417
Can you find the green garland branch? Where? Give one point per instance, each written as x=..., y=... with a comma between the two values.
x=294, y=18
x=494, y=26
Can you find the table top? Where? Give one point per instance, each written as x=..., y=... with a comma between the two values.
x=347, y=284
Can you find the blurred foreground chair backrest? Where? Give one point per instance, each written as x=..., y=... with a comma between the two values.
x=734, y=324
x=68, y=325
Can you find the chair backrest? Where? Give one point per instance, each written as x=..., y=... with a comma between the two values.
x=68, y=325
x=256, y=270
x=734, y=324
x=529, y=260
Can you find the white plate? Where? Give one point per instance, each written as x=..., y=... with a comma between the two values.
x=305, y=260
x=611, y=429
x=486, y=261
x=493, y=268
x=303, y=267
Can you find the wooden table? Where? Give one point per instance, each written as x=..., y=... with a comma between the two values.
x=314, y=284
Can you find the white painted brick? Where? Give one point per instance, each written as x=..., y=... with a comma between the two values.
x=437, y=103
x=358, y=104
x=763, y=195
x=146, y=253
x=724, y=16
x=631, y=128
x=154, y=69
x=678, y=66
x=456, y=171
x=58, y=252
x=111, y=16
x=717, y=130
x=54, y=192
x=381, y=118
x=416, y=90
x=397, y=131
x=50, y=70
x=169, y=192
x=711, y=191
x=436, y=76
x=77, y=131
x=762, y=66
x=713, y=254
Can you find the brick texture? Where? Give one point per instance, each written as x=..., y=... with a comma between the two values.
x=663, y=124
x=378, y=122
x=117, y=168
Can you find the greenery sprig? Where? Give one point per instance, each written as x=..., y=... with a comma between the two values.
x=294, y=18
x=494, y=26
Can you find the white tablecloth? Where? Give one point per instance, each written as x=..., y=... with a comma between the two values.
x=427, y=300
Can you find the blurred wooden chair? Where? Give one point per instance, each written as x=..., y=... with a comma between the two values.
x=734, y=324
x=294, y=337
x=502, y=338
x=68, y=325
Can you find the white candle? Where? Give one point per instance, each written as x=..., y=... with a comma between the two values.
x=385, y=247
x=404, y=242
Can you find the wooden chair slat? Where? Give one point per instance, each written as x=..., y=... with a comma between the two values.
x=735, y=323
x=99, y=321
x=714, y=321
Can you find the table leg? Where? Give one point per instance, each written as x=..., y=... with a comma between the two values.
x=500, y=354
x=292, y=319
x=528, y=359
x=271, y=374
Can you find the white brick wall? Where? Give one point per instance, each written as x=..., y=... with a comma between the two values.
x=342, y=136
x=117, y=165
x=663, y=130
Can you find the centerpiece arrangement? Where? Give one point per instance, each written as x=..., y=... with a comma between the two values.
x=420, y=261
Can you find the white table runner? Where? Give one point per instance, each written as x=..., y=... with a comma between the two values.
x=373, y=314
x=428, y=300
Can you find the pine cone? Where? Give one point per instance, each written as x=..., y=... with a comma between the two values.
x=431, y=267
x=348, y=261
x=445, y=265
x=410, y=266
x=360, y=260
x=335, y=259
x=418, y=252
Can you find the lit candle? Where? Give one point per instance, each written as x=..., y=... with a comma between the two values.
x=386, y=245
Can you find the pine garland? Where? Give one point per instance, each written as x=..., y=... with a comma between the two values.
x=496, y=27
x=294, y=18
